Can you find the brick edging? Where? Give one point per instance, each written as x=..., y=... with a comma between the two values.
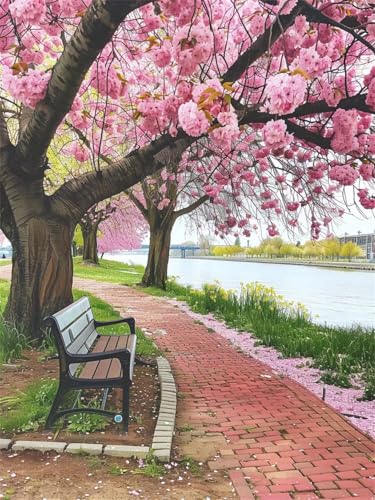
x=162, y=440
x=164, y=430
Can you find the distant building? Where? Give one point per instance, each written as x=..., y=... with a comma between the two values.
x=365, y=241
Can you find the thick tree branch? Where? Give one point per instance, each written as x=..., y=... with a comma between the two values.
x=190, y=208
x=317, y=16
x=307, y=136
x=96, y=29
x=79, y=194
x=357, y=102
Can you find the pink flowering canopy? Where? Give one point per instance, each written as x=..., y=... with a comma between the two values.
x=275, y=100
x=124, y=229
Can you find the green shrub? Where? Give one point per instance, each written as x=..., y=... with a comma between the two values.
x=87, y=422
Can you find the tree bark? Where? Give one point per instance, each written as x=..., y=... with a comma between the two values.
x=158, y=256
x=42, y=273
x=90, y=243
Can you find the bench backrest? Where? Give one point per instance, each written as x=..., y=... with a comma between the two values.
x=74, y=330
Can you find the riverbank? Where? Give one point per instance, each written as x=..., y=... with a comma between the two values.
x=359, y=266
x=333, y=296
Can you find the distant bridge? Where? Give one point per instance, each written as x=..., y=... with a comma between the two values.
x=184, y=249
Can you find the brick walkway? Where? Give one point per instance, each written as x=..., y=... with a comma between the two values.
x=282, y=441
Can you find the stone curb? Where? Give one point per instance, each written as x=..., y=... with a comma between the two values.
x=164, y=430
x=162, y=440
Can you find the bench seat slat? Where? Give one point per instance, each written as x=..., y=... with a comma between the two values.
x=115, y=369
x=103, y=366
x=90, y=367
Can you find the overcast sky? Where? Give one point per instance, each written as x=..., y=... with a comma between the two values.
x=348, y=224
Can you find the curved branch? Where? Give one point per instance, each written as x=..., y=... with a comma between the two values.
x=357, y=102
x=262, y=44
x=138, y=204
x=96, y=29
x=191, y=208
x=86, y=142
x=317, y=16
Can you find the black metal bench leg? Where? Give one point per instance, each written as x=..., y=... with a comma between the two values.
x=55, y=406
x=125, y=405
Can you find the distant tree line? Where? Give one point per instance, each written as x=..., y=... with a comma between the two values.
x=328, y=249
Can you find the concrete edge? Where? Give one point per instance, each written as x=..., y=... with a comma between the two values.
x=161, y=443
x=164, y=430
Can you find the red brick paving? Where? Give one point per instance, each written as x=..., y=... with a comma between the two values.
x=282, y=441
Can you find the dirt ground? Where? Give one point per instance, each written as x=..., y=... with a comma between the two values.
x=36, y=476
x=144, y=403
x=33, y=476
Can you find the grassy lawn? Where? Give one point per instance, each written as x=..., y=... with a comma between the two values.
x=12, y=342
x=5, y=262
x=108, y=270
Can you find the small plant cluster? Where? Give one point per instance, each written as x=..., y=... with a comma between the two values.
x=12, y=342
x=287, y=326
x=86, y=423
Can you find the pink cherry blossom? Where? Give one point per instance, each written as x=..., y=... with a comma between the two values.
x=284, y=93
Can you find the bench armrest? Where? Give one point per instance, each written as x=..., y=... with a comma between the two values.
x=121, y=354
x=129, y=321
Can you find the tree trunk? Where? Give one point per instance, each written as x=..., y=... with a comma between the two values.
x=90, y=244
x=42, y=273
x=158, y=255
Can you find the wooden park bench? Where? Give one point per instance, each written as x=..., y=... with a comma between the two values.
x=89, y=360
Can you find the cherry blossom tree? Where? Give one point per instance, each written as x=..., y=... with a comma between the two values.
x=109, y=226
x=89, y=225
x=277, y=97
x=125, y=229
x=164, y=198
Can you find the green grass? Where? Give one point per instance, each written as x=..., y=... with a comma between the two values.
x=13, y=342
x=104, y=312
x=5, y=262
x=28, y=410
x=287, y=327
x=108, y=270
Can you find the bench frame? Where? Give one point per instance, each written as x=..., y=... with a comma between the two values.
x=69, y=381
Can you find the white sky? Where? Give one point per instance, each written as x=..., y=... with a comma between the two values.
x=348, y=224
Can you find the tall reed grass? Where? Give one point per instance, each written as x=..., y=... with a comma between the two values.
x=288, y=327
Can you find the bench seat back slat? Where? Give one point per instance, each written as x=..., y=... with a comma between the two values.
x=70, y=313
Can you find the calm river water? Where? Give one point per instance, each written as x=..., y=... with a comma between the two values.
x=337, y=297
